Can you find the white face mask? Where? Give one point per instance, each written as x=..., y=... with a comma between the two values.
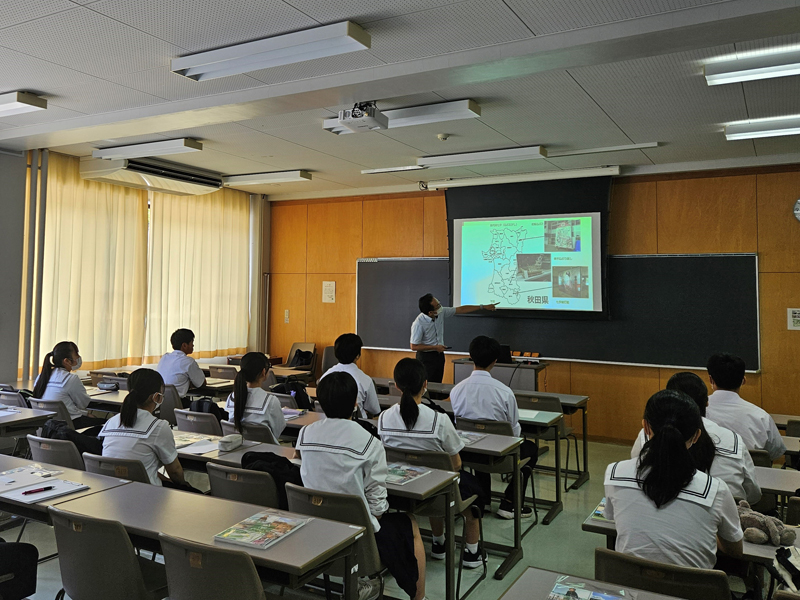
x=78, y=365
x=160, y=399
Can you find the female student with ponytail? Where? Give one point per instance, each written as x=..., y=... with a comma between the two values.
x=410, y=425
x=665, y=509
x=249, y=403
x=136, y=434
x=58, y=382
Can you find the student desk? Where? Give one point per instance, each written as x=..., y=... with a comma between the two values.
x=538, y=583
x=792, y=445
x=782, y=420
x=110, y=401
x=783, y=482
x=214, y=386
x=146, y=510
x=17, y=421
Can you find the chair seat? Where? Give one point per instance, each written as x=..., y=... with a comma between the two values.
x=550, y=435
x=155, y=577
x=436, y=508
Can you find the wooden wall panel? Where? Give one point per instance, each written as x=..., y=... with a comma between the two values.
x=713, y=214
x=334, y=237
x=327, y=321
x=778, y=230
x=393, y=227
x=632, y=224
x=380, y=363
x=288, y=245
x=556, y=378
x=286, y=292
x=435, y=226
x=751, y=391
x=780, y=347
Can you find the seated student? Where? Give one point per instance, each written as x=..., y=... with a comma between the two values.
x=482, y=397
x=177, y=367
x=664, y=508
x=58, y=382
x=727, y=408
x=136, y=434
x=719, y=452
x=410, y=425
x=347, y=349
x=341, y=456
x=249, y=402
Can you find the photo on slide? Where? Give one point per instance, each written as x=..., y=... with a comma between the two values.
x=533, y=267
x=570, y=282
x=562, y=235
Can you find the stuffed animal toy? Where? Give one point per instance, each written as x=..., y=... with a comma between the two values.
x=761, y=529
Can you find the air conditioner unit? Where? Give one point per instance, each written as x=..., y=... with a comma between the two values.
x=151, y=174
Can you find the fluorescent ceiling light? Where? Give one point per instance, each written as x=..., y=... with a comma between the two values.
x=641, y=146
x=419, y=115
x=328, y=40
x=762, y=129
x=16, y=103
x=162, y=148
x=543, y=176
x=482, y=158
x=392, y=169
x=266, y=178
x=765, y=66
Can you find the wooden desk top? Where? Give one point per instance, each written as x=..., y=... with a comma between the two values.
x=305, y=419
x=18, y=416
x=792, y=445
x=493, y=445
x=777, y=481
x=103, y=397
x=147, y=510
x=782, y=420
x=220, y=457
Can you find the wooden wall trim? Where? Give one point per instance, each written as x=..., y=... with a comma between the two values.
x=709, y=173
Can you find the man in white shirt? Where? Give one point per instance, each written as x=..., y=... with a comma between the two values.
x=481, y=397
x=347, y=349
x=427, y=332
x=727, y=408
x=177, y=367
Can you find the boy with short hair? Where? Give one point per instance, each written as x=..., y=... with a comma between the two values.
x=177, y=367
x=347, y=349
x=481, y=397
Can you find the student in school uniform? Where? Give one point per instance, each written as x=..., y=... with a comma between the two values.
x=719, y=451
x=338, y=455
x=410, y=425
x=136, y=434
x=664, y=508
x=347, y=349
x=728, y=409
x=482, y=397
x=250, y=403
x=58, y=382
x=178, y=368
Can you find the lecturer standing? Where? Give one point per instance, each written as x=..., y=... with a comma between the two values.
x=427, y=332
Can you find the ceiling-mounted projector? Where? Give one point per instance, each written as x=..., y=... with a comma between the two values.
x=364, y=116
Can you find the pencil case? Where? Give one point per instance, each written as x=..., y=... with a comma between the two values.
x=230, y=442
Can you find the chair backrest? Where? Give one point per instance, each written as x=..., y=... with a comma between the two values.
x=793, y=511
x=256, y=433
x=430, y=459
x=197, y=422
x=344, y=508
x=200, y=572
x=328, y=358
x=172, y=400
x=305, y=347
x=124, y=468
x=269, y=381
x=56, y=406
x=242, y=485
x=544, y=403
x=97, y=376
x=286, y=400
x=96, y=558
x=793, y=428
x=496, y=427
x=7, y=387
x=761, y=458
x=222, y=371
x=670, y=580
x=56, y=452
x=12, y=399
x=122, y=382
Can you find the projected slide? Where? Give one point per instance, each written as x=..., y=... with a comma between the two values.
x=548, y=262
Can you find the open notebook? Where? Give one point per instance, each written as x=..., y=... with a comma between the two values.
x=51, y=488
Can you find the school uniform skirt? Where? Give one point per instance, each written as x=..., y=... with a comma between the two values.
x=395, y=542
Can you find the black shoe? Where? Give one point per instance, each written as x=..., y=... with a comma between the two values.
x=506, y=511
x=437, y=551
x=473, y=561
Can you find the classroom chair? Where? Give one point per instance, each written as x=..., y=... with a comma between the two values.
x=549, y=435
x=97, y=376
x=200, y=572
x=172, y=401
x=344, y=508
x=436, y=509
x=12, y=398
x=671, y=580
x=306, y=372
x=124, y=468
x=242, y=485
x=197, y=422
x=286, y=400
x=222, y=371
x=328, y=359
x=7, y=387
x=56, y=406
x=793, y=511
x=760, y=458
x=269, y=381
x=56, y=452
x=256, y=433
x=122, y=382
x=18, y=564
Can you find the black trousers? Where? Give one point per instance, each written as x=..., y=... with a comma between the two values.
x=528, y=449
x=434, y=364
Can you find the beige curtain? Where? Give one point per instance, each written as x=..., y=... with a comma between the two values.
x=95, y=266
x=199, y=272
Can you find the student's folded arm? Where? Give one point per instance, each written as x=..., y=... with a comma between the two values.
x=456, y=460
x=733, y=549
x=175, y=471
x=196, y=376
x=375, y=474
x=77, y=391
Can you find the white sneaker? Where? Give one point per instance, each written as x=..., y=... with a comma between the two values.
x=368, y=589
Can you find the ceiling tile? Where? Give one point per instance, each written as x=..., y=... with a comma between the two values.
x=362, y=12
x=512, y=168
x=315, y=185
x=602, y=159
x=98, y=45
x=772, y=97
x=6, y=126
x=307, y=69
x=53, y=113
x=166, y=84
x=433, y=174
x=398, y=102
x=219, y=162
x=788, y=144
x=304, y=117
x=99, y=96
x=31, y=74
x=13, y=12
x=769, y=45
x=466, y=135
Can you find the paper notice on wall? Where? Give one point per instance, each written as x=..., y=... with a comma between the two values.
x=329, y=292
x=793, y=317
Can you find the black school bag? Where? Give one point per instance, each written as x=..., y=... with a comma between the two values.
x=295, y=388
x=283, y=471
x=301, y=358
x=204, y=405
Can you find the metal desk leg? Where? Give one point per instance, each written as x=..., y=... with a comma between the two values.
x=515, y=554
x=584, y=476
x=450, y=544
x=350, y=578
x=557, y=506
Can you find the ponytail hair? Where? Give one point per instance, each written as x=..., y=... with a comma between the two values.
x=53, y=360
x=704, y=450
x=142, y=384
x=252, y=365
x=665, y=465
x=409, y=377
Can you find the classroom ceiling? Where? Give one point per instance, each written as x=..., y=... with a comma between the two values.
x=566, y=74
